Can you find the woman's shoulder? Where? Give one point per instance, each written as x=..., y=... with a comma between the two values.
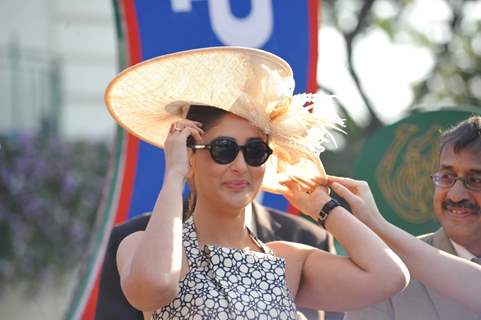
x=288, y=249
x=128, y=245
x=134, y=237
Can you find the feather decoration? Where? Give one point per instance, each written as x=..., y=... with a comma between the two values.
x=297, y=130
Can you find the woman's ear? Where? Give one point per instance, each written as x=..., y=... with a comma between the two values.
x=190, y=171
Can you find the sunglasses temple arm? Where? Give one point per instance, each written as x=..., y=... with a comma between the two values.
x=199, y=146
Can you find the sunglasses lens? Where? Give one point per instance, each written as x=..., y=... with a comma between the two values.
x=256, y=153
x=224, y=151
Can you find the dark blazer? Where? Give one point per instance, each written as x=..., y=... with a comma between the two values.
x=271, y=225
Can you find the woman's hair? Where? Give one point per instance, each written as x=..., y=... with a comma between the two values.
x=209, y=117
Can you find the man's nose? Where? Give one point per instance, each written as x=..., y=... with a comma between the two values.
x=458, y=191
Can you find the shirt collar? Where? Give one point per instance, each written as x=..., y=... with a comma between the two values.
x=249, y=218
x=462, y=251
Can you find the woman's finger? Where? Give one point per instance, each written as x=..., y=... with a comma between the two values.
x=347, y=182
x=319, y=180
x=355, y=186
x=179, y=126
x=287, y=190
x=304, y=183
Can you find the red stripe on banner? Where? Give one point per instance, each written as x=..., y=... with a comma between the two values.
x=293, y=210
x=312, y=9
x=133, y=35
x=131, y=153
x=89, y=311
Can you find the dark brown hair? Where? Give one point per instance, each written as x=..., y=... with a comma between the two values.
x=209, y=117
x=465, y=135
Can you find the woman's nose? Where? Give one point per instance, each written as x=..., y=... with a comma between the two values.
x=239, y=164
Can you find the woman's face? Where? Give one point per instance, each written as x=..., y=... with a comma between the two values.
x=231, y=185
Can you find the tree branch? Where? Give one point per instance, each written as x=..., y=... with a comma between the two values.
x=349, y=37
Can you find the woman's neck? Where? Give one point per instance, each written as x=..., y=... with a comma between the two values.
x=221, y=226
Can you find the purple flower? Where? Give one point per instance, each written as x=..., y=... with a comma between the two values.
x=49, y=193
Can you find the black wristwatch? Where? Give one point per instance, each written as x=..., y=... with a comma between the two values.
x=326, y=209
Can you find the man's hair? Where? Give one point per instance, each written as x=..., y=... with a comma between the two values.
x=465, y=135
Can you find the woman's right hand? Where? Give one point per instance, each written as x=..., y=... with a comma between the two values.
x=359, y=197
x=175, y=146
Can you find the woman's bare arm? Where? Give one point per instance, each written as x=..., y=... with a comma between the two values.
x=370, y=274
x=150, y=262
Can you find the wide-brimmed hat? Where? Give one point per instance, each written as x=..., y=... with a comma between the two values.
x=254, y=84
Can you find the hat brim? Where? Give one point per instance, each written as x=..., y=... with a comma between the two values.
x=145, y=99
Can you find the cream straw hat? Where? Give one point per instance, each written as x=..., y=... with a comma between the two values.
x=253, y=84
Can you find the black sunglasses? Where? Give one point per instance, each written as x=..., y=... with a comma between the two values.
x=224, y=150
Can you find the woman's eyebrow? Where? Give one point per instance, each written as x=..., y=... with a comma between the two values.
x=265, y=139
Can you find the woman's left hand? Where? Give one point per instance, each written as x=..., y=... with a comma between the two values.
x=309, y=198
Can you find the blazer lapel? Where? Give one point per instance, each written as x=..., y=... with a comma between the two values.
x=265, y=226
x=447, y=308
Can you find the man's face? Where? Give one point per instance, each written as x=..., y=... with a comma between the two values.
x=458, y=208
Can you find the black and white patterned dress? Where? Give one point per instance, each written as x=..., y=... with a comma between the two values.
x=226, y=283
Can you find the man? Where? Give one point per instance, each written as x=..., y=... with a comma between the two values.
x=268, y=224
x=457, y=201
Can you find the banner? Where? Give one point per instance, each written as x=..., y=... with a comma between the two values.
x=397, y=162
x=149, y=28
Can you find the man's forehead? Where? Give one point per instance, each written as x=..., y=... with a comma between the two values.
x=467, y=158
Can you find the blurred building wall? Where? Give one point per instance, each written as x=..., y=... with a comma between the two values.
x=56, y=58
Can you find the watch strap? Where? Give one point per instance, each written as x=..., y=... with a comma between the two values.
x=326, y=210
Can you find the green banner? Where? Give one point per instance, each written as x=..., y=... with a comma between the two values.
x=397, y=162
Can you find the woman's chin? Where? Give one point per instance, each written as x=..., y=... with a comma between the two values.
x=238, y=200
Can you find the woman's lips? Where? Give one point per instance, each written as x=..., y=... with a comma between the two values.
x=236, y=184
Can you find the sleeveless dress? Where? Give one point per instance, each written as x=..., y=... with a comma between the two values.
x=226, y=283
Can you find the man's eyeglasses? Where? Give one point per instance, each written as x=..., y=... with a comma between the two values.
x=446, y=180
x=224, y=150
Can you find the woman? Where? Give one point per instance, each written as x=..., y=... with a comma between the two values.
x=229, y=125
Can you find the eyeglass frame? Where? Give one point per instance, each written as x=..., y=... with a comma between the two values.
x=436, y=179
x=239, y=148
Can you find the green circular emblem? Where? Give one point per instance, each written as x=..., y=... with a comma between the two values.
x=397, y=162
